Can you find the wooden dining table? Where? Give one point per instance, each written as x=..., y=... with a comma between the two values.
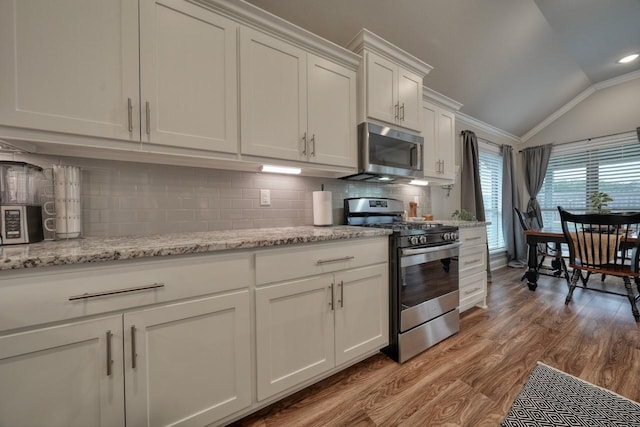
x=553, y=237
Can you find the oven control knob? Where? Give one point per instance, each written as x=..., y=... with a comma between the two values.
x=413, y=240
x=446, y=236
x=423, y=239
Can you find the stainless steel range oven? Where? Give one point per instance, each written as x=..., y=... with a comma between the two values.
x=423, y=276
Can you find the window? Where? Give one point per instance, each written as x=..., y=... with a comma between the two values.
x=577, y=170
x=490, y=161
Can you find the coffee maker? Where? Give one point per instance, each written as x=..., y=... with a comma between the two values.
x=20, y=205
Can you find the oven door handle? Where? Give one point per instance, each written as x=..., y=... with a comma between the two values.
x=431, y=249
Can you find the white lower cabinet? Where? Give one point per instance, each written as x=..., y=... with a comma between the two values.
x=176, y=341
x=473, y=267
x=183, y=364
x=58, y=376
x=308, y=326
x=188, y=363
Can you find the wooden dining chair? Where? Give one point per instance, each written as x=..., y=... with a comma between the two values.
x=529, y=221
x=605, y=244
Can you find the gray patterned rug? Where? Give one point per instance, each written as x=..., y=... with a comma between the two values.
x=553, y=398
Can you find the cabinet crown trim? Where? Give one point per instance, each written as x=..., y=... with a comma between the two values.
x=439, y=99
x=366, y=40
x=248, y=14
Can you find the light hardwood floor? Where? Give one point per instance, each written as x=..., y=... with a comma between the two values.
x=472, y=378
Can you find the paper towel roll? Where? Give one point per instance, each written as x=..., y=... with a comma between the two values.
x=322, y=209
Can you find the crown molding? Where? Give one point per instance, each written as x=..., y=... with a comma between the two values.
x=257, y=18
x=577, y=100
x=440, y=99
x=366, y=40
x=486, y=127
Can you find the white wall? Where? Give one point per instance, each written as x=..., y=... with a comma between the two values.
x=607, y=111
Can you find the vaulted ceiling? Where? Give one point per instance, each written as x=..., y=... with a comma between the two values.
x=512, y=63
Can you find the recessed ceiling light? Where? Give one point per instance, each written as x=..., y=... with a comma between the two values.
x=628, y=58
x=419, y=182
x=281, y=169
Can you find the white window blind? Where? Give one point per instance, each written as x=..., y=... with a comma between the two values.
x=490, y=161
x=577, y=170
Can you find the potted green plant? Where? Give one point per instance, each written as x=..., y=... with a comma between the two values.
x=463, y=215
x=599, y=202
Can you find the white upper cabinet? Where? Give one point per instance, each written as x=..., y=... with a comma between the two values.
x=390, y=87
x=273, y=96
x=188, y=76
x=295, y=105
x=331, y=100
x=438, y=130
x=78, y=68
x=70, y=66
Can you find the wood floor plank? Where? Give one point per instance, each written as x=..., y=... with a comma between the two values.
x=472, y=378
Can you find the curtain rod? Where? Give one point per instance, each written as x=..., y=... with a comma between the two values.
x=487, y=141
x=584, y=139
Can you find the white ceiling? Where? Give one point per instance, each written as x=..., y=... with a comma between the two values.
x=512, y=63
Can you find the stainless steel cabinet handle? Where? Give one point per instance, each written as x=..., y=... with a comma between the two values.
x=341, y=293
x=332, y=297
x=473, y=261
x=471, y=291
x=402, y=110
x=313, y=145
x=130, y=114
x=397, y=110
x=304, y=144
x=443, y=166
x=134, y=355
x=327, y=261
x=117, y=291
x=109, y=361
x=148, y=114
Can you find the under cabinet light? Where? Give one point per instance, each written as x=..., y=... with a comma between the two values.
x=628, y=58
x=281, y=169
x=419, y=182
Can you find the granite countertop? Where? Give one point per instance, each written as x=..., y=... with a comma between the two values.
x=93, y=249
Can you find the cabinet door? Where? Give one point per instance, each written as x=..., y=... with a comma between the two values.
x=273, y=97
x=192, y=361
x=294, y=333
x=362, y=311
x=188, y=76
x=58, y=376
x=332, y=113
x=446, y=143
x=430, y=134
x=70, y=66
x=382, y=88
x=409, y=99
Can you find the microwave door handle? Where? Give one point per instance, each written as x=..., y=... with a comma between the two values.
x=418, y=163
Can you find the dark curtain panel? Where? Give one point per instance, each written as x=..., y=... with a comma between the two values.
x=470, y=177
x=516, y=255
x=536, y=160
x=471, y=187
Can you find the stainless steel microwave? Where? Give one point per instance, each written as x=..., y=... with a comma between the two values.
x=387, y=154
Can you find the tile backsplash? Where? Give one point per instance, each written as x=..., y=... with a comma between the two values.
x=124, y=198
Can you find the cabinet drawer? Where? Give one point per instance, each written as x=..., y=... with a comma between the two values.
x=43, y=295
x=472, y=260
x=473, y=290
x=274, y=265
x=473, y=236
x=472, y=285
